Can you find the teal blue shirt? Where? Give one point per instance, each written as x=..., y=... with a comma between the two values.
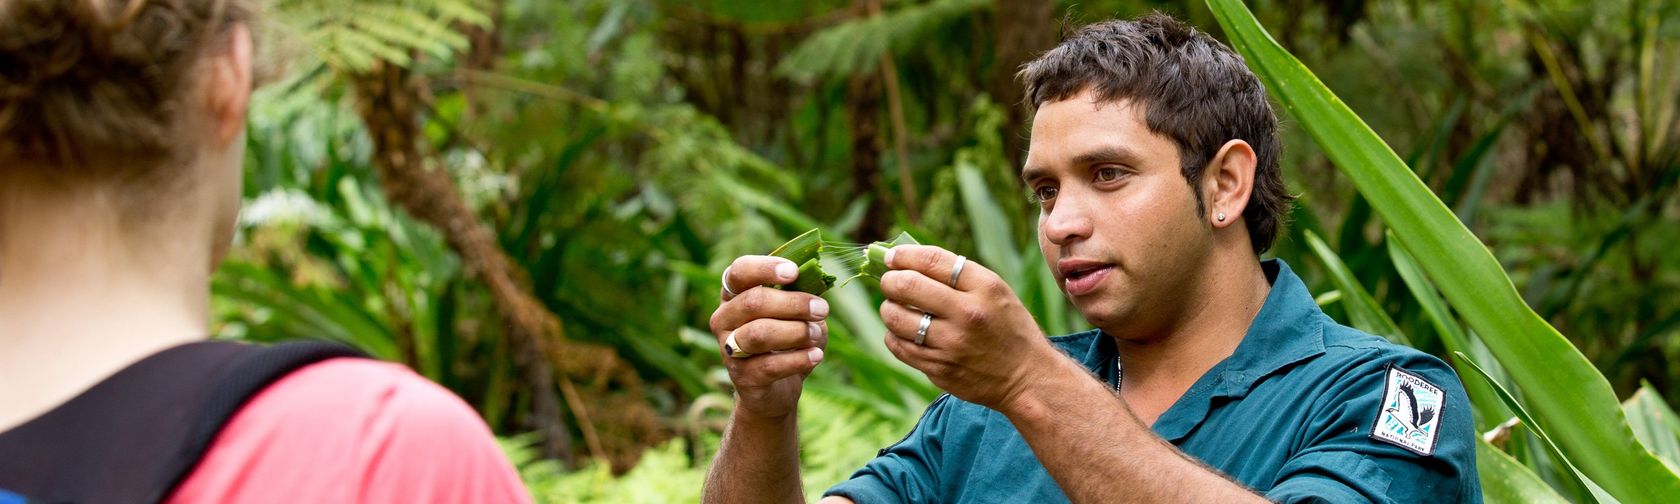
x=1305, y=410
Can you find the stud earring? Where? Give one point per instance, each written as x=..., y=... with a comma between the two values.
x=1221, y=217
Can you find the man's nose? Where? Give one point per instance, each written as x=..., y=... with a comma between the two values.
x=1068, y=220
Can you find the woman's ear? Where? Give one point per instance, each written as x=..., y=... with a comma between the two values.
x=1228, y=182
x=228, y=86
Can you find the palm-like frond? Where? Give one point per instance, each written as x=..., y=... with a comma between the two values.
x=351, y=37
x=313, y=42
x=855, y=45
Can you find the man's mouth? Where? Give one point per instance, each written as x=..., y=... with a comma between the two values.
x=1074, y=269
x=1075, y=275
x=1083, y=277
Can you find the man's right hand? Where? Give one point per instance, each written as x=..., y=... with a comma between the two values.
x=783, y=331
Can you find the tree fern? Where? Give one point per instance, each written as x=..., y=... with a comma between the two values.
x=352, y=36
x=855, y=45
x=313, y=42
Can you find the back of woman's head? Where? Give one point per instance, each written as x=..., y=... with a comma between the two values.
x=96, y=88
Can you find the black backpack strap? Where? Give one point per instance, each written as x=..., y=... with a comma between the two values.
x=249, y=373
x=136, y=435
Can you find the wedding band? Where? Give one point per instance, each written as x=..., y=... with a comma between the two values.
x=921, y=329
x=725, y=280
x=732, y=348
x=956, y=270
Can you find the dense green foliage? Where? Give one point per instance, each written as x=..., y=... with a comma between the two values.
x=624, y=151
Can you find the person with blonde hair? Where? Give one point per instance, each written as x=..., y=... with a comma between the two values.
x=122, y=132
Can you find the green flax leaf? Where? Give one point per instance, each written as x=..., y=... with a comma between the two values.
x=1504, y=480
x=1363, y=310
x=1569, y=398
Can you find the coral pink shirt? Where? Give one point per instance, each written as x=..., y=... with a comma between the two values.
x=354, y=430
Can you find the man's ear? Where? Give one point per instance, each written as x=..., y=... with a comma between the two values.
x=1228, y=182
x=228, y=85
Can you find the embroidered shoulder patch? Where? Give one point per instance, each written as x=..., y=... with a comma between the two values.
x=1411, y=412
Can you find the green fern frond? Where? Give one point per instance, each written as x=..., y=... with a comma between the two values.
x=836, y=438
x=403, y=28
x=664, y=474
x=852, y=46
x=353, y=49
x=352, y=38
x=317, y=41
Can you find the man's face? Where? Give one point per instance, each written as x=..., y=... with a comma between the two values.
x=1118, y=224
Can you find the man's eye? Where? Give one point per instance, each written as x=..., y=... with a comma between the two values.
x=1044, y=193
x=1108, y=174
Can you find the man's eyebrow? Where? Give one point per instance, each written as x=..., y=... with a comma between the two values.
x=1032, y=173
x=1101, y=154
x=1108, y=153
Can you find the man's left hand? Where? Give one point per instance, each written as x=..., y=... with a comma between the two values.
x=981, y=345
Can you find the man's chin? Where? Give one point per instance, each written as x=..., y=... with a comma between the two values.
x=1102, y=313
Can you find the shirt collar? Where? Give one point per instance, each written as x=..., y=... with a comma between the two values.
x=1288, y=329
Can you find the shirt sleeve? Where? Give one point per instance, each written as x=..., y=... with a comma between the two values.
x=354, y=430
x=907, y=471
x=1342, y=462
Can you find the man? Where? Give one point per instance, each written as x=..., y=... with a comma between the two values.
x=1211, y=377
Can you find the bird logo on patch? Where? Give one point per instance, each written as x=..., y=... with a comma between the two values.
x=1410, y=414
x=1407, y=412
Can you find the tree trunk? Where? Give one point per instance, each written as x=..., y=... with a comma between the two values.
x=1024, y=29
x=389, y=105
x=863, y=105
x=484, y=46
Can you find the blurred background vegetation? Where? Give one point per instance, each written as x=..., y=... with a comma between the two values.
x=529, y=201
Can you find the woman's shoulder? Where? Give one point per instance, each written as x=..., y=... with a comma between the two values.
x=354, y=429
x=331, y=388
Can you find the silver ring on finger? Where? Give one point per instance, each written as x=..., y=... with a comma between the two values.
x=956, y=270
x=725, y=280
x=922, y=328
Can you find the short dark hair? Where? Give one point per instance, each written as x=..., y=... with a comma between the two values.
x=1197, y=92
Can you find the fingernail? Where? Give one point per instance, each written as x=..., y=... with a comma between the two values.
x=819, y=308
x=816, y=355
x=813, y=330
x=888, y=258
x=786, y=271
